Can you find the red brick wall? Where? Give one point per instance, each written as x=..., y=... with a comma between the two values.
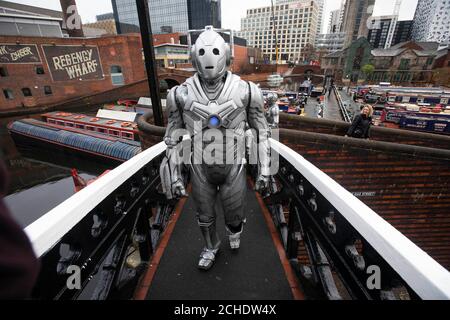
x=240, y=59
x=339, y=128
x=124, y=51
x=409, y=190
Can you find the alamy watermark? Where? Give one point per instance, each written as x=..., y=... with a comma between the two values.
x=73, y=21
x=225, y=147
x=373, y=282
x=73, y=282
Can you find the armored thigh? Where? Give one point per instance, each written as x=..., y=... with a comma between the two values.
x=204, y=194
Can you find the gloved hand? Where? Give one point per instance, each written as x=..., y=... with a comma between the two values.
x=262, y=185
x=178, y=189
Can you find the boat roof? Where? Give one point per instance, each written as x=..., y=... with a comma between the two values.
x=91, y=120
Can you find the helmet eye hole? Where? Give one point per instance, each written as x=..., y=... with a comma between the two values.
x=216, y=51
x=201, y=52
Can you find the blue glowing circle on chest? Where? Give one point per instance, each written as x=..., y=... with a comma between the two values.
x=214, y=121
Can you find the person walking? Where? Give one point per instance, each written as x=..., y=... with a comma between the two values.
x=360, y=127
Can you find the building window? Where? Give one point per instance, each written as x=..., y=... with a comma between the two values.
x=26, y=92
x=48, y=90
x=117, y=76
x=3, y=72
x=8, y=94
x=40, y=70
x=404, y=64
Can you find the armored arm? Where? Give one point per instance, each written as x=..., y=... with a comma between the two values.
x=171, y=172
x=258, y=122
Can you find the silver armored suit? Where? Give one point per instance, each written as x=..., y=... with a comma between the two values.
x=213, y=111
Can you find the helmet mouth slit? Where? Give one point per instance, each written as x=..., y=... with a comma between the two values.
x=209, y=67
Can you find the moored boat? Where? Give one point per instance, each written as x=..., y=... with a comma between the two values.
x=109, y=146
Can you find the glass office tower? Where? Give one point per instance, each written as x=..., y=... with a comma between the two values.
x=168, y=15
x=125, y=14
x=204, y=13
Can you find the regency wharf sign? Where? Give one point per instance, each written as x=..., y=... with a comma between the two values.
x=19, y=53
x=73, y=62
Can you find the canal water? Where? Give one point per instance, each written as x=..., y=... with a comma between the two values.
x=39, y=179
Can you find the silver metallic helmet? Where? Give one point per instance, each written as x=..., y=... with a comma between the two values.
x=272, y=97
x=211, y=55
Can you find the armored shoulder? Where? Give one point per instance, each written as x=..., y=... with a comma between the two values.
x=256, y=94
x=244, y=90
x=176, y=97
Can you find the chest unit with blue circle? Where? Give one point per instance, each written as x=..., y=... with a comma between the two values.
x=214, y=115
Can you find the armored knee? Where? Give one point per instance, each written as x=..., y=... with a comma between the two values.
x=205, y=220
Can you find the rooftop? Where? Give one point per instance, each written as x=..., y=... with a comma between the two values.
x=27, y=9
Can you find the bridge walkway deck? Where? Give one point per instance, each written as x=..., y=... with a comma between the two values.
x=258, y=270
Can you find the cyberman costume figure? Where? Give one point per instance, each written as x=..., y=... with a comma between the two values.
x=273, y=111
x=214, y=100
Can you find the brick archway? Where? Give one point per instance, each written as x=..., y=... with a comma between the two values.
x=174, y=76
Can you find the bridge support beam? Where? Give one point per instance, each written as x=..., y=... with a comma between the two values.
x=150, y=62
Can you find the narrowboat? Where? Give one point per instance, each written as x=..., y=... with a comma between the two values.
x=101, y=139
x=414, y=95
x=425, y=124
x=111, y=123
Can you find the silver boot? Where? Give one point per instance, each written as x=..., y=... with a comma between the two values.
x=235, y=238
x=208, y=254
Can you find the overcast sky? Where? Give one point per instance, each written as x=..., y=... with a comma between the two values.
x=232, y=10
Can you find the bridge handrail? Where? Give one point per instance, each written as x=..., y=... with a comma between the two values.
x=45, y=232
x=422, y=273
x=344, y=111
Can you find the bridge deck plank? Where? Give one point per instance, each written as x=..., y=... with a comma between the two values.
x=254, y=272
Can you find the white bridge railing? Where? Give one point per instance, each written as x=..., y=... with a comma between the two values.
x=427, y=278
x=424, y=275
x=45, y=232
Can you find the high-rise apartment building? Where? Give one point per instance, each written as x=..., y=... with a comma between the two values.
x=334, y=39
x=355, y=19
x=168, y=15
x=432, y=21
x=294, y=26
x=320, y=4
x=335, y=21
x=379, y=29
x=330, y=42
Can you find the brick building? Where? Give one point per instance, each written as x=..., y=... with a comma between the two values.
x=245, y=58
x=36, y=71
x=441, y=67
x=406, y=63
x=173, y=38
